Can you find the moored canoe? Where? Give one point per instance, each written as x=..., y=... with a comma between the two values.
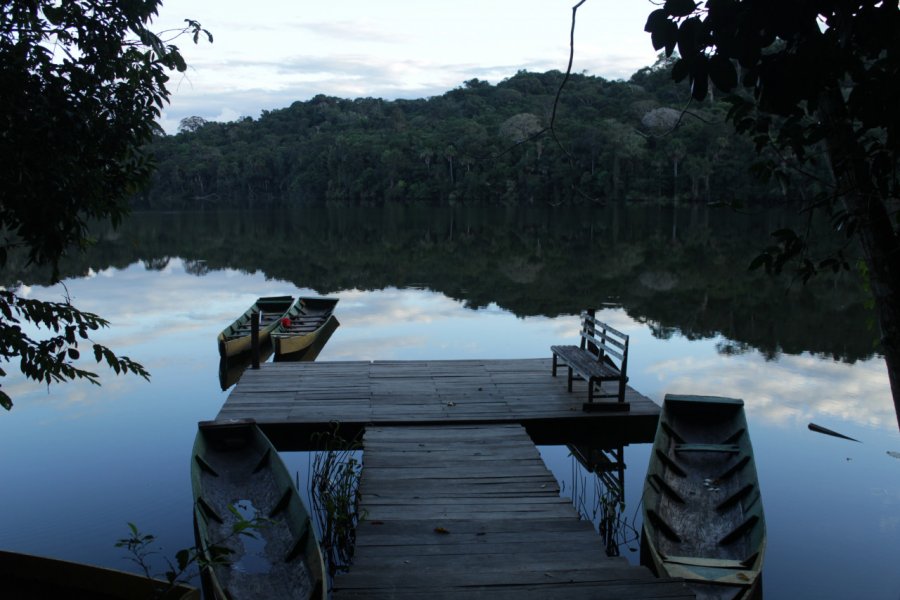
x=301, y=326
x=235, y=339
x=702, y=508
x=237, y=476
x=26, y=576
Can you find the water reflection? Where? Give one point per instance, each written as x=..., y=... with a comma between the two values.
x=598, y=492
x=118, y=453
x=527, y=261
x=793, y=390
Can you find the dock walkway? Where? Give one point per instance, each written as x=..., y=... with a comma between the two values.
x=470, y=511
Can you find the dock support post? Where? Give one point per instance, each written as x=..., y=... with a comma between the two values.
x=254, y=340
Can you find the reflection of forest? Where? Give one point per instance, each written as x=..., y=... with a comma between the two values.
x=680, y=272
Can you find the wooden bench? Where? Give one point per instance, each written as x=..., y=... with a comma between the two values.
x=601, y=356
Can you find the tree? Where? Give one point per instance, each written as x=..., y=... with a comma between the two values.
x=191, y=124
x=817, y=82
x=81, y=84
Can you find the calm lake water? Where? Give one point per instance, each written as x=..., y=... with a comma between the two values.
x=80, y=461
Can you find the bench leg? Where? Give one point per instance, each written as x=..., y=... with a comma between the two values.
x=590, y=391
x=570, y=379
x=621, y=390
x=554, y=364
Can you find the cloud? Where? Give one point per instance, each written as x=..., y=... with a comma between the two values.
x=353, y=31
x=794, y=389
x=253, y=85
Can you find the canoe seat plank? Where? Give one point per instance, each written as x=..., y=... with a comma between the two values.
x=729, y=448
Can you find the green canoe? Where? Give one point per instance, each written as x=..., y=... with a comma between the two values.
x=702, y=508
x=26, y=577
x=235, y=339
x=235, y=471
x=306, y=321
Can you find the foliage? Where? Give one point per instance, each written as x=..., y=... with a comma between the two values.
x=51, y=360
x=816, y=82
x=81, y=84
x=471, y=144
x=334, y=484
x=180, y=571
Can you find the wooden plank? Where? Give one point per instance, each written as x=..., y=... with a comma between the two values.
x=438, y=392
x=551, y=590
x=472, y=509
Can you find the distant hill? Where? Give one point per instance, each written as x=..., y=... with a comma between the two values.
x=623, y=140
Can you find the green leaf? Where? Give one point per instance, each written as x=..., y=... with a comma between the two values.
x=679, y=8
x=760, y=260
x=5, y=400
x=182, y=557
x=722, y=73
x=656, y=20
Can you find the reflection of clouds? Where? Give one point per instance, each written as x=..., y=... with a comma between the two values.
x=167, y=320
x=790, y=390
x=889, y=524
x=392, y=306
x=377, y=348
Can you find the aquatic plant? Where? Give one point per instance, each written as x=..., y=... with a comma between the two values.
x=335, y=471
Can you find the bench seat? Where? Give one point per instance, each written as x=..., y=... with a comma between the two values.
x=595, y=361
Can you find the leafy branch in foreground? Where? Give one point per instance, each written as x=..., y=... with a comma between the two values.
x=182, y=569
x=82, y=84
x=52, y=359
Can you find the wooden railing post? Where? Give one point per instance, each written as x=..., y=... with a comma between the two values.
x=254, y=340
x=590, y=328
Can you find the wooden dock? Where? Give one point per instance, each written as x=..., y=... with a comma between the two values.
x=470, y=511
x=457, y=502
x=286, y=398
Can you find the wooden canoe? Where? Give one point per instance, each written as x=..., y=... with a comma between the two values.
x=25, y=576
x=235, y=470
x=235, y=339
x=306, y=321
x=702, y=508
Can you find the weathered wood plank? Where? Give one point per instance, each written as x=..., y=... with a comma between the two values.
x=439, y=392
x=470, y=511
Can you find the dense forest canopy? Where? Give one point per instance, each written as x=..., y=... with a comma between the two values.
x=623, y=140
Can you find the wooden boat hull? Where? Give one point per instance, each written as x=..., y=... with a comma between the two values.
x=235, y=339
x=25, y=576
x=235, y=471
x=703, y=516
x=232, y=368
x=309, y=318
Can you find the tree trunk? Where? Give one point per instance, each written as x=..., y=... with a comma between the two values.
x=880, y=245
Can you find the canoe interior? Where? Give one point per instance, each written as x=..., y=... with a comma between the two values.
x=312, y=351
x=234, y=339
x=703, y=516
x=25, y=576
x=308, y=317
x=235, y=466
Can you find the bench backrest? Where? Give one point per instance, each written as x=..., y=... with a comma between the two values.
x=605, y=343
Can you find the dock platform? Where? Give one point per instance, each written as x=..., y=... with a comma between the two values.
x=456, y=500
x=470, y=511
x=288, y=398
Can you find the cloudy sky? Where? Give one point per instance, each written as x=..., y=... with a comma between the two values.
x=270, y=53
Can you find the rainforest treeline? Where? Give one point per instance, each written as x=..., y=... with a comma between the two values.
x=611, y=140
